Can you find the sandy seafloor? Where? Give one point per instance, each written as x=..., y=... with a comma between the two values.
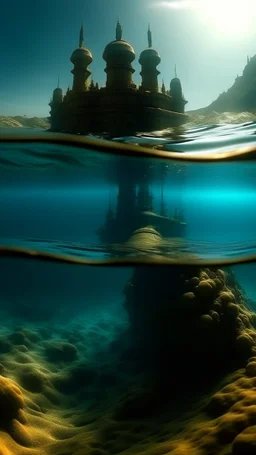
x=67, y=386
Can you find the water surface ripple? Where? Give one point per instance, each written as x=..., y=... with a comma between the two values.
x=40, y=150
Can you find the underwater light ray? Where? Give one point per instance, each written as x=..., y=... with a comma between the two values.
x=246, y=153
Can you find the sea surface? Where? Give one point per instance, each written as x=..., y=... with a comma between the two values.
x=63, y=289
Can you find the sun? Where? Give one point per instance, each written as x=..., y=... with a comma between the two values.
x=228, y=17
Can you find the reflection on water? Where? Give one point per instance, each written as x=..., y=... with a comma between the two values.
x=134, y=358
x=89, y=205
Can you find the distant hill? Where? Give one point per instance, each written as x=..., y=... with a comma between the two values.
x=24, y=122
x=241, y=97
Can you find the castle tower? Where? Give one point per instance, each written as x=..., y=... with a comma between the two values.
x=56, y=101
x=57, y=96
x=149, y=60
x=81, y=59
x=119, y=56
x=176, y=93
x=163, y=89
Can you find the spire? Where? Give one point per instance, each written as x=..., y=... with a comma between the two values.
x=92, y=86
x=175, y=71
x=149, y=36
x=81, y=36
x=119, y=31
x=163, y=90
x=58, y=82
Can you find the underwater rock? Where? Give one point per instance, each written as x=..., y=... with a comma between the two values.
x=226, y=297
x=60, y=351
x=214, y=315
x=194, y=281
x=251, y=369
x=244, y=344
x=232, y=309
x=205, y=289
x=188, y=313
x=188, y=300
x=205, y=321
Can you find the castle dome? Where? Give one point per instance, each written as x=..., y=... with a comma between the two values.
x=81, y=54
x=57, y=91
x=175, y=83
x=57, y=95
x=175, y=80
x=175, y=87
x=150, y=54
x=115, y=49
x=119, y=48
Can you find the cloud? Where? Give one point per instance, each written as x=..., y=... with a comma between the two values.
x=175, y=4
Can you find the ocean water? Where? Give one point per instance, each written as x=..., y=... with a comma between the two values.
x=128, y=343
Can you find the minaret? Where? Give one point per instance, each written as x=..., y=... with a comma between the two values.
x=178, y=100
x=81, y=59
x=57, y=96
x=56, y=101
x=163, y=89
x=149, y=60
x=119, y=56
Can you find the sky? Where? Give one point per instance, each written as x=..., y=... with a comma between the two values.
x=208, y=40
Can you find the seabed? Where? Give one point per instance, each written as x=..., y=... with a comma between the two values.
x=179, y=379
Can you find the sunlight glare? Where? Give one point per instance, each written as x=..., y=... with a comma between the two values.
x=228, y=17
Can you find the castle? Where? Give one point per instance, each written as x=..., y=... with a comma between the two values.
x=120, y=107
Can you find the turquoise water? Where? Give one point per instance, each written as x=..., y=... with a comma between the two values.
x=89, y=315
x=56, y=197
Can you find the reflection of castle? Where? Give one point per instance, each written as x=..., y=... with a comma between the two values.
x=121, y=107
x=135, y=206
